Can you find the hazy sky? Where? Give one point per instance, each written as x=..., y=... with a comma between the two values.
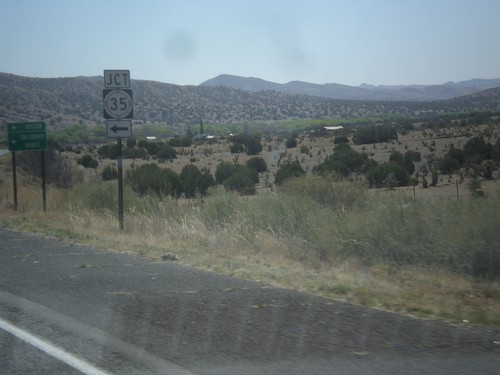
x=189, y=41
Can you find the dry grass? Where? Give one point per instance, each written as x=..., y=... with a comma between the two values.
x=259, y=238
x=265, y=255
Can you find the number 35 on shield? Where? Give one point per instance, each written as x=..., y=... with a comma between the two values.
x=117, y=104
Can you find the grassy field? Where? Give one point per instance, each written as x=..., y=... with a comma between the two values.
x=424, y=252
x=411, y=256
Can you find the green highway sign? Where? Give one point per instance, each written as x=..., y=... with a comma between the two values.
x=27, y=136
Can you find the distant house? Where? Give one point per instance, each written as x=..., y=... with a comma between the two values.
x=333, y=128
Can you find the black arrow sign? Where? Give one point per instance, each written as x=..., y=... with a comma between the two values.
x=117, y=128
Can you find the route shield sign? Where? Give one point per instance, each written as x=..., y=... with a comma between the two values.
x=118, y=104
x=27, y=136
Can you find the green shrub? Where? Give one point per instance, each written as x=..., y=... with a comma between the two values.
x=477, y=149
x=340, y=139
x=291, y=142
x=289, y=170
x=387, y=174
x=87, y=161
x=193, y=181
x=257, y=163
x=448, y=165
x=237, y=148
x=253, y=145
x=167, y=152
x=242, y=181
x=224, y=170
x=304, y=149
x=109, y=151
x=151, y=179
x=343, y=161
x=134, y=153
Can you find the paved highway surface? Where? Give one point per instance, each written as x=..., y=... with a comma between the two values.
x=67, y=309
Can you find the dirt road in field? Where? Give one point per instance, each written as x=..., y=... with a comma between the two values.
x=126, y=314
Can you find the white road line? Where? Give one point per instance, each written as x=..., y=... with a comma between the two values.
x=155, y=364
x=52, y=350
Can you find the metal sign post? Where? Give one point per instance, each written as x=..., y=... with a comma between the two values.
x=118, y=110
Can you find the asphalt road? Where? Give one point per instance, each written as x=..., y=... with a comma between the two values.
x=67, y=309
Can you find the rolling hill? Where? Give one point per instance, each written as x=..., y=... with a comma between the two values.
x=67, y=101
x=363, y=92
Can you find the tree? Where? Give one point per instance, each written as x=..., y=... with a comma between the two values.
x=190, y=177
x=153, y=148
x=167, y=152
x=193, y=180
x=289, y=170
x=343, y=161
x=291, y=142
x=237, y=148
x=448, y=165
x=414, y=156
x=257, y=163
x=495, y=151
x=374, y=134
x=477, y=149
x=134, y=153
x=396, y=157
x=205, y=182
x=340, y=139
x=387, y=174
x=109, y=151
x=180, y=142
x=151, y=179
x=253, y=145
x=224, y=170
x=241, y=182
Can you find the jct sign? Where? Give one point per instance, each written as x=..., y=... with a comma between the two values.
x=117, y=96
x=114, y=79
x=118, y=109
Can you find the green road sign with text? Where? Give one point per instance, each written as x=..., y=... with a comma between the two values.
x=27, y=136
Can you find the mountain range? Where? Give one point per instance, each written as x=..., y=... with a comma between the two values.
x=363, y=92
x=78, y=100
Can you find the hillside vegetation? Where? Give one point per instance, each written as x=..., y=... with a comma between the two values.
x=362, y=92
x=61, y=102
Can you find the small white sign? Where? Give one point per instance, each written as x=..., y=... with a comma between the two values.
x=119, y=128
x=117, y=79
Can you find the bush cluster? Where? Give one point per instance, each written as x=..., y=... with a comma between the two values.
x=249, y=143
x=236, y=177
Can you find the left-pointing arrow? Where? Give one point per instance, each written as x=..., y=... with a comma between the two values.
x=117, y=128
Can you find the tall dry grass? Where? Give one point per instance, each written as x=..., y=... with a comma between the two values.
x=437, y=258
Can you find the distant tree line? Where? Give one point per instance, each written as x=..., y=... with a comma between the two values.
x=477, y=157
